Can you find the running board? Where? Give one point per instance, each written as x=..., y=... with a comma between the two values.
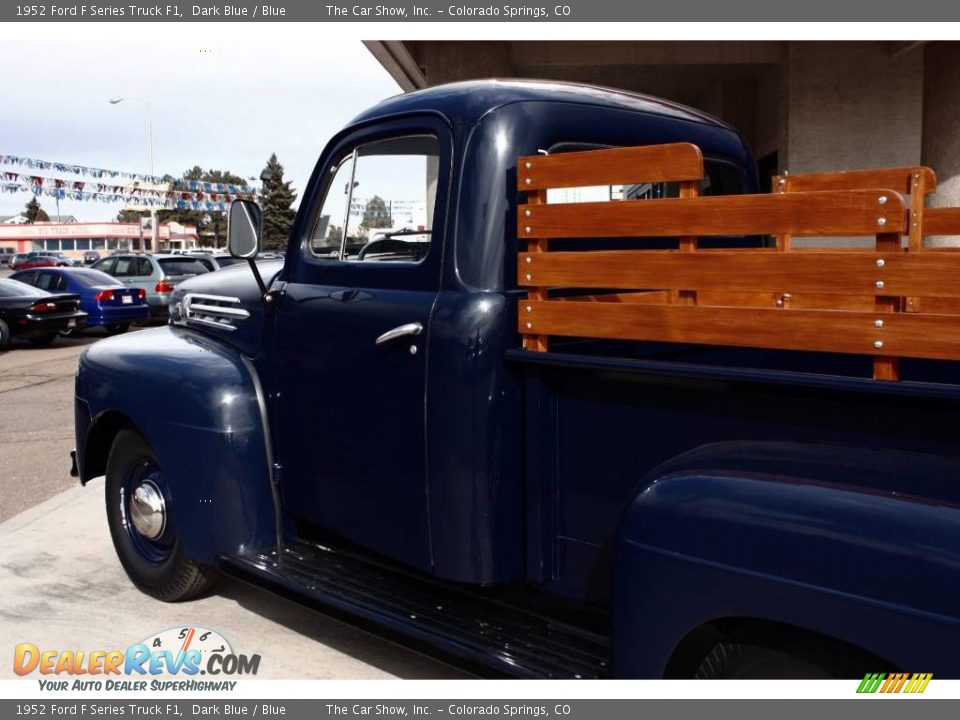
x=459, y=621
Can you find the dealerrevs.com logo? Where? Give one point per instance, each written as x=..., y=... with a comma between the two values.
x=185, y=652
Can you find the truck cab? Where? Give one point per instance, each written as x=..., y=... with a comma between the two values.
x=361, y=427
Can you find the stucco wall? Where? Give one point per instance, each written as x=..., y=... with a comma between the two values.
x=941, y=119
x=852, y=105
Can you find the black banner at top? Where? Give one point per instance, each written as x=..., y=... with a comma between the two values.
x=738, y=11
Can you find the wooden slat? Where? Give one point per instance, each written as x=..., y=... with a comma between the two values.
x=940, y=306
x=903, y=334
x=652, y=297
x=615, y=166
x=536, y=246
x=899, y=179
x=941, y=221
x=760, y=299
x=839, y=273
x=805, y=214
x=808, y=301
x=746, y=298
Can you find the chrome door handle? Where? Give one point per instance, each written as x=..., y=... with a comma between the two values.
x=400, y=331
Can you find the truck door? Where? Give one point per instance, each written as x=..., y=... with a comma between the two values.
x=352, y=341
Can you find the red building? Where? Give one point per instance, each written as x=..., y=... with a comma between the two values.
x=73, y=239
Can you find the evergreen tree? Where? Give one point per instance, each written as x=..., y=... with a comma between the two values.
x=34, y=213
x=376, y=214
x=278, y=196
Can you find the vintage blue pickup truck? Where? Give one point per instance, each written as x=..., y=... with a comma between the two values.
x=546, y=384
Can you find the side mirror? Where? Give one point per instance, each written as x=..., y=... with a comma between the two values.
x=243, y=229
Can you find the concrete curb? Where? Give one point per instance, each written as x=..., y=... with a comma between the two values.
x=38, y=512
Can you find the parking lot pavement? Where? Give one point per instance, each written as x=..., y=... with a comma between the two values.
x=36, y=421
x=61, y=587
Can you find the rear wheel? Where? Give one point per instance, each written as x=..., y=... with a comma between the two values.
x=117, y=328
x=43, y=340
x=731, y=660
x=143, y=525
x=5, y=338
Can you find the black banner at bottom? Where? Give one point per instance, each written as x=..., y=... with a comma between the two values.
x=873, y=708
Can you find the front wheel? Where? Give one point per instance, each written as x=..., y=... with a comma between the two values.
x=143, y=525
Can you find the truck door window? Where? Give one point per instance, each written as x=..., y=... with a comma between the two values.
x=384, y=194
x=327, y=232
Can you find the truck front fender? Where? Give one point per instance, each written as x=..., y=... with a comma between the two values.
x=199, y=404
x=824, y=538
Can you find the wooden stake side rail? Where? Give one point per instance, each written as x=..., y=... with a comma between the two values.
x=839, y=273
x=676, y=162
x=901, y=334
x=852, y=212
x=887, y=303
x=898, y=179
x=941, y=221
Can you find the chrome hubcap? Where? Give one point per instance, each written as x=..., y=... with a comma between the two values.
x=148, y=511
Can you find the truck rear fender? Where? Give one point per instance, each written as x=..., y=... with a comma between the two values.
x=822, y=538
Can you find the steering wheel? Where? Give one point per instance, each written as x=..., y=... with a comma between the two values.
x=388, y=243
x=385, y=244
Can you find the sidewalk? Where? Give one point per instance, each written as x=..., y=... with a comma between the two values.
x=61, y=587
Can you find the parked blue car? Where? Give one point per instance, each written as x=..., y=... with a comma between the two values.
x=108, y=303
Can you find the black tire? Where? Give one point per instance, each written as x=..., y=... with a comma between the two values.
x=117, y=329
x=5, y=338
x=43, y=340
x=174, y=578
x=731, y=660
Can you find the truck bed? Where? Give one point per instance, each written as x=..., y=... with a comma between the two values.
x=603, y=419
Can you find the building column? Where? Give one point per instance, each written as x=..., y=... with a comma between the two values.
x=940, y=146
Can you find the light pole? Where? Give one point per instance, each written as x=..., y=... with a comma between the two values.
x=154, y=230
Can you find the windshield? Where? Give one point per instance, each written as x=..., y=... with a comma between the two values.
x=93, y=278
x=15, y=288
x=182, y=266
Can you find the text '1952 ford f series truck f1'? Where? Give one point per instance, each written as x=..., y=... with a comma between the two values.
x=545, y=384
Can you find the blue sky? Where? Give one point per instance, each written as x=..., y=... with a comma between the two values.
x=222, y=96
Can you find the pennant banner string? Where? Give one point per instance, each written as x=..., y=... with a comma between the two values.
x=180, y=200
x=100, y=173
x=134, y=192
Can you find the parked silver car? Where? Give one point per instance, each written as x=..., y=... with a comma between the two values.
x=157, y=275
x=215, y=261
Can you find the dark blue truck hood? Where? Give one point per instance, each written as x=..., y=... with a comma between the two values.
x=226, y=304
